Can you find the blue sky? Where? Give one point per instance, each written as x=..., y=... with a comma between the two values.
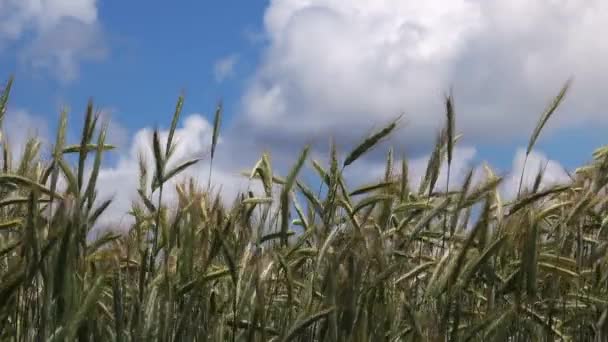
x=292, y=72
x=153, y=51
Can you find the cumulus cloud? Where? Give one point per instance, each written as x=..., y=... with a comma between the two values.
x=334, y=67
x=224, y=67
x=52, y=35
x=193, y=139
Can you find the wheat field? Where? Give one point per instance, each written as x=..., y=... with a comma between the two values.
x=382, y=262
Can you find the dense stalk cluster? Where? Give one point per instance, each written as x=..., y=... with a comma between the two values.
x=381, y=262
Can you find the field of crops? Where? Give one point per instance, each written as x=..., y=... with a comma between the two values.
x=382, y=262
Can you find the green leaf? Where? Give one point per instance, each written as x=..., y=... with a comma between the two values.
x=6, y=179
x=174, y=172
x=372, y=187
x=10, y=224
x=301, y=325
x=88, y=148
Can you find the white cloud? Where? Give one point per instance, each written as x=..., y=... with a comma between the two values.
x=334, y=67
x=120, y=181
x=193, y=141
x=117, y=134
x=224, y=67
x=19, y=126
x=20, y=15
x=554, y=173
x=52, y=35
x=368, y=171
x=254, y=36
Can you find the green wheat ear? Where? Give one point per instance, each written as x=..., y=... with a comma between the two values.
x=542, y=121
x=217, y=119
x=450, y=126
x=378, y=262
x=544, y=118
x=174, y=121
x=289, y=183
x=370, y=142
